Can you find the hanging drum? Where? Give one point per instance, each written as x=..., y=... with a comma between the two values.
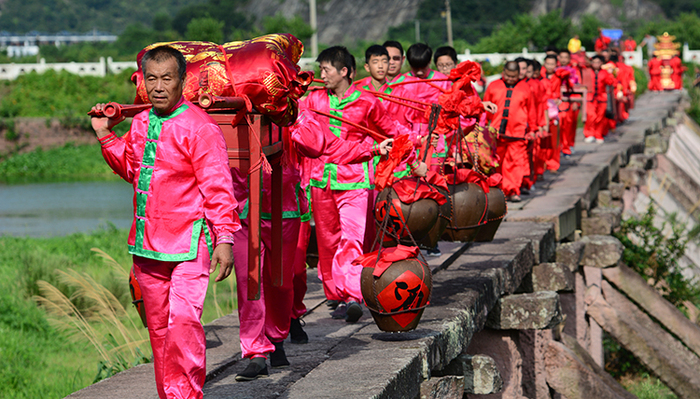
x=137, y=297
x=397, y=288
x=468, y=212
x=495, y=212
x=415, y=209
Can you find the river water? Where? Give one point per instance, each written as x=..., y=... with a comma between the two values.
x=54, y=209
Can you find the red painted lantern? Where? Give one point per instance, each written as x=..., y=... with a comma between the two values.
x=137, y=297
x=396, y=288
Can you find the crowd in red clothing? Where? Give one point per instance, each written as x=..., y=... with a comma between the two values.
x=532, y=110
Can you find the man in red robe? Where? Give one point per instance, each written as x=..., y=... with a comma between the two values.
x=654, y=66
x=538, y=105
x=677, y=74
x=569, y=110
x=552, y=83
x=630, y=44
x=596, y=126
x=625, y=77
x=602, y=42
x=514, y=100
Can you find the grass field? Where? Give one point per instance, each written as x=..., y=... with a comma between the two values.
x=39, y=361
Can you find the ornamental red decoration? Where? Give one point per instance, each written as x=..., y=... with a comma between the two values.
x=461, y=99
x=264, y=70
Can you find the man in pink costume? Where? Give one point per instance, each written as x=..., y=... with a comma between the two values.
x=419, y=56
x=341, y=193
x=184, y=216
x=376, y=64
x=265, y=323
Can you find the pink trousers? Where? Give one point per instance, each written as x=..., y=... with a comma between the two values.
x=173, y=294
x=298, y=308
x=341, y=218
x=265, y=320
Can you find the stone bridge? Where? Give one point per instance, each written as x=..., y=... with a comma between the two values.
x=507, y=318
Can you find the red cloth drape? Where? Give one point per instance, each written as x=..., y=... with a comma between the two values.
x=387, y=257
x=409, y=193
x=400, y=150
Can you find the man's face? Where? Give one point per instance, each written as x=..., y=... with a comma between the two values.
x=421, y=73
x=564, y=59
x=395, y=61
x=445, y=64
x=605, y=54
x=377, y=66
x=332, y=77
x=529, y=72
x=163, y=84
x=511, y=77
x=596, y=64
x=523, y=69
x=550, y=64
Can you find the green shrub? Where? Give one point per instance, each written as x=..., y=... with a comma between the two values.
x=654, y=253
x=68, y=163
x=63, y=95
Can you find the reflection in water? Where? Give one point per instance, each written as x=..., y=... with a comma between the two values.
x=53, y=209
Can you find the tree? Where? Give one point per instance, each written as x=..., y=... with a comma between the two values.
x=296, y=26
x=205, y=29
x=511, y=37
x=551, y=30
x=587, y=31
x=134, y=38
x=162, y=22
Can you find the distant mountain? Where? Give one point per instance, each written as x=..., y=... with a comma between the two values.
x=614, y=13
x=339, y=21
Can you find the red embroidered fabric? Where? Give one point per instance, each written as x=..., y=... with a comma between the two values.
x=264, y=70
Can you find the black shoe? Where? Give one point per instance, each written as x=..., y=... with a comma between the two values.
x=297, y=335
x=339, y=312
x=354, y=312
x=257, y=368
x=333, y=304
x=278, y=358
x=434, y=251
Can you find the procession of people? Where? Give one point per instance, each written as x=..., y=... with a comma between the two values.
x=191, y=209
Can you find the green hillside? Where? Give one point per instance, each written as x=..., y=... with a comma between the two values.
x=21, y=16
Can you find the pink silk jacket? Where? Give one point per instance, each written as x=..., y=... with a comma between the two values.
x=358, y=107
x=178, y=166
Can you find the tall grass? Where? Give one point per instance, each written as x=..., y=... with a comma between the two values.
x=42, y=359
x=103, y=310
